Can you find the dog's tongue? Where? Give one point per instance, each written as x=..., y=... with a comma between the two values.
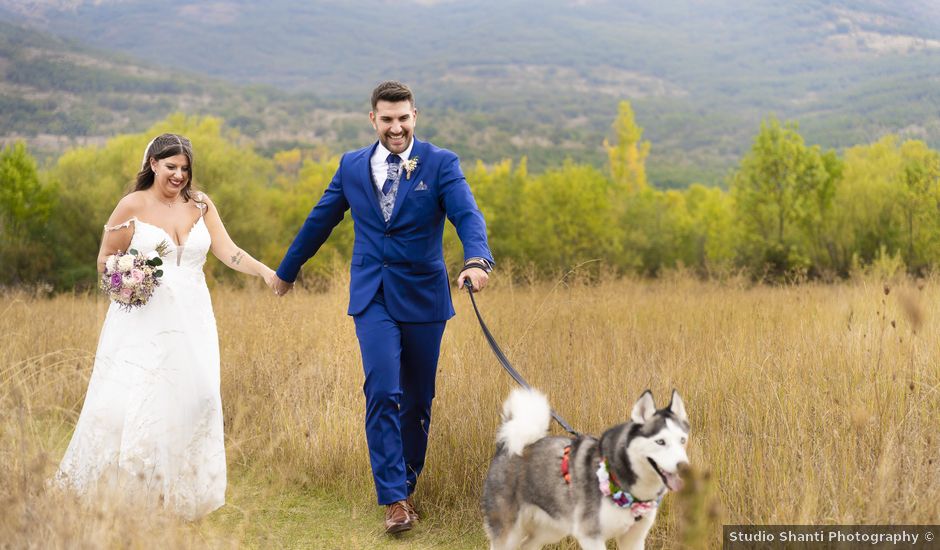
x=673, y=481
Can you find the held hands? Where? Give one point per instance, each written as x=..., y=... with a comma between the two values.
x=274, y=282
x=477, y=277
x=268, y=275
x=279, y=286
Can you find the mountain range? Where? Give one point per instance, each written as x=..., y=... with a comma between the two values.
x=494, y=79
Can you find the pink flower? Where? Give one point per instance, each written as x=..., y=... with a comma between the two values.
x=642, y=508
x=126, y=294
x=137, y=275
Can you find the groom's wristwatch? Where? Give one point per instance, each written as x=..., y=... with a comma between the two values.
x=480, y=263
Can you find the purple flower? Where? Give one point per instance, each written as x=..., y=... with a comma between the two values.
x=116, y=280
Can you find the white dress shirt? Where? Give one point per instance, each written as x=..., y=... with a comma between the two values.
x=379, y=164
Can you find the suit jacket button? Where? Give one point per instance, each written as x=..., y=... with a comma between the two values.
x=384, y=264
x=388, y=234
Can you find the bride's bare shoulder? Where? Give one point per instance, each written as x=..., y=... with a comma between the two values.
x=134, y=199
x=127, y=209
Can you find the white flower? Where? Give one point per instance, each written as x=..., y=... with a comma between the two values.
x=111, y=263
x=126, y=262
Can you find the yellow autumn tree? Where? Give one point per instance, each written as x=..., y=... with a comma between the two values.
x=627, y=156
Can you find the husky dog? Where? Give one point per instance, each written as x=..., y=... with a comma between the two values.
x=540, y=489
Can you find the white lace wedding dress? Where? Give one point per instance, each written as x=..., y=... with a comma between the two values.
x=151, y=425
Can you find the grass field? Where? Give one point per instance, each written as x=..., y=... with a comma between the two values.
x=809, y=404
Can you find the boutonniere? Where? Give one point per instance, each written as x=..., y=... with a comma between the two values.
x=410, y=166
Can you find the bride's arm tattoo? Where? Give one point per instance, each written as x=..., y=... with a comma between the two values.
x=237, y=258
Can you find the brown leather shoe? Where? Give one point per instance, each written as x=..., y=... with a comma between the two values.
x=412, y=510
x=397, y=517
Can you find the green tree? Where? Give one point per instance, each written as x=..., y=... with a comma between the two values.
x=566, y=218
x=918, y=201
x=499, y=192
x=711, y=234
x=646, y=229
x=889, y=199
x=25, y=207
x=782, y=190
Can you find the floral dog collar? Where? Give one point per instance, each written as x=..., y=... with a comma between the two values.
x=608, y=486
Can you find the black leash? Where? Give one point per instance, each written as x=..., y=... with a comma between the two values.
x=505, y=362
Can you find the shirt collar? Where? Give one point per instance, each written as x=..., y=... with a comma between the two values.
x=381, y=153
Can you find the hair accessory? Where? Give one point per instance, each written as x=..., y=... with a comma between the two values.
x=143, y=163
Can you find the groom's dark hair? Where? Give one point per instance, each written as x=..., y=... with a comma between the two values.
x=393, y=92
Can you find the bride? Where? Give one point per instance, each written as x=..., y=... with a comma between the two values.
x=151, y=424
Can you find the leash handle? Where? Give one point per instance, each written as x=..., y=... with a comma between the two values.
x=501, y=357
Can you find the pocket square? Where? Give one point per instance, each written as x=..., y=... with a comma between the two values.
x=421, y=186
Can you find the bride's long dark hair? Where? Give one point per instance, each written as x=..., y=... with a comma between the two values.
x=164, y=146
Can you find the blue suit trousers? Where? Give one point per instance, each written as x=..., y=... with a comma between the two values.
x=400, y=364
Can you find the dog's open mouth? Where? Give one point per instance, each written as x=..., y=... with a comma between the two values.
x=671, y=479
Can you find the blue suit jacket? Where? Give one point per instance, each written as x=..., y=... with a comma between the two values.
x=405, y=256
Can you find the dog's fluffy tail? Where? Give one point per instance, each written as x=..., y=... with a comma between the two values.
x=526, y=415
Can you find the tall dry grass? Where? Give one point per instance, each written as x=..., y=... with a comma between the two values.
x=809, y=404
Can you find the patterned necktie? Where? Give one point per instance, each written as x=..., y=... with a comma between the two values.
x=394, y=172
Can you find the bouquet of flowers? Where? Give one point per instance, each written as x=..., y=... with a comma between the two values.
x=130, y=278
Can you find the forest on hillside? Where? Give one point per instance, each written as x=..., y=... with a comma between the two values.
x=792, y=210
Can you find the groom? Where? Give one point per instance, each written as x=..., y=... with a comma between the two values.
x=399, y=190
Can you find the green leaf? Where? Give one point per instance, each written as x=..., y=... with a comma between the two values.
x=132, y=252
x=155, y=262
x=158, y=273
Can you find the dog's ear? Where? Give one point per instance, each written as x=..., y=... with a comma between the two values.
x=677, y=407
x=644, y=408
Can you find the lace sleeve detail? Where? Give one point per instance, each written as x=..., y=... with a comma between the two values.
x=120, y=225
